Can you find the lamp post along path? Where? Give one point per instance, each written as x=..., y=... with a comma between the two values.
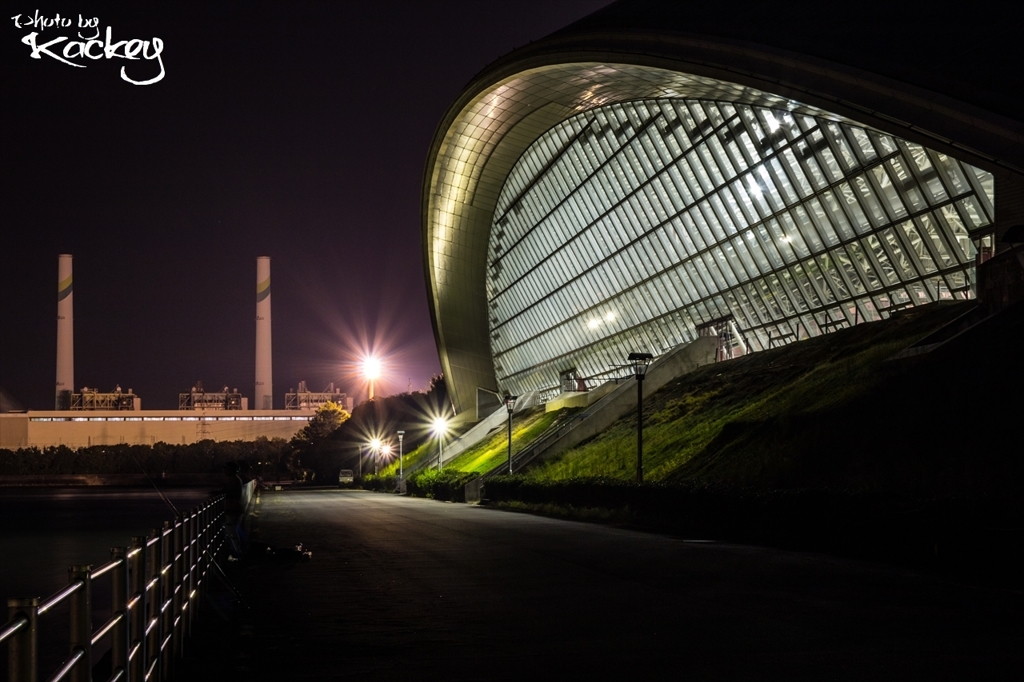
x=510, y=405
x=440, y=428
x=375, y=448
x=640, y=362
x=401, y=472
x=371, y=370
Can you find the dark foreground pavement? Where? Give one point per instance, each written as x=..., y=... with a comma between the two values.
x=402, y=588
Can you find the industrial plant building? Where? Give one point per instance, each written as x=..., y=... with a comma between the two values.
x=88, y=417
x=659, y=172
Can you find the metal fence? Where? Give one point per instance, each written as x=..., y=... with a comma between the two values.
x=156, y=585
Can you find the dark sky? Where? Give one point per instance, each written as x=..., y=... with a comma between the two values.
x=296, y=130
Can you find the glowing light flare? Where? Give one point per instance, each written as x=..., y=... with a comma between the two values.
x=755, y=188
x=439, y=426
x=595, y=322
x=375, y=444
x=372, y=368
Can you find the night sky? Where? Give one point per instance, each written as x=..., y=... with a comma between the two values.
x=293, y=130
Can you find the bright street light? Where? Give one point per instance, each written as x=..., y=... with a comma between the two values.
x=371, y=371
x=440, y=428
x=375, y=446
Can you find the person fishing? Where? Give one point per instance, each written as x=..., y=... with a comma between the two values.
x=232, y=486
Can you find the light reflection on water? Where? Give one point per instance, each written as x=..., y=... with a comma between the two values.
x=45, y=530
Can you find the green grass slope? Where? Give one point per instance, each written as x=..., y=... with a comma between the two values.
x=834, y=413
x=493, y=450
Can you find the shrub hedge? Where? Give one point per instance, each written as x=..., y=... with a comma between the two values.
x=447, y=485
x=845, y=522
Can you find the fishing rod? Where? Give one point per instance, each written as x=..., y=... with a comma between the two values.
x=223, y=576
x=155, y=487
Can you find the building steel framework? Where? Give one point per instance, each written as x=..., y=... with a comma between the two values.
x=601, y=191
x=634, y=224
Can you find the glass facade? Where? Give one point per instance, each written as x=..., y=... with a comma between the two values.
x=631, y=226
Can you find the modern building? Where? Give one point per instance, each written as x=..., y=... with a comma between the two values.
x=760, y=172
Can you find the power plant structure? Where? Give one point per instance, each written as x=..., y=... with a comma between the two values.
x=91, y=417
x=92, y=399
x=65, y=333
x=264, y=366
x=304, y=399
x=199, y=399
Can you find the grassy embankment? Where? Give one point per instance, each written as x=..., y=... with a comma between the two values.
x=825, y=413
x=824, y=444
x=491, y=452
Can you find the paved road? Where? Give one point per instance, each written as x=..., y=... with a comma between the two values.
x=402, y=588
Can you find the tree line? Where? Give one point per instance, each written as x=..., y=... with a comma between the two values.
x=330, y=442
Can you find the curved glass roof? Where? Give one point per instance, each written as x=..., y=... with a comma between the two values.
x=471, y=159
x=490, y=129
x=635, y=225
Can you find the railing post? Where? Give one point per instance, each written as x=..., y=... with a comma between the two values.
x=81, y=623
x=167, y=601
x=179, y=585
x=192, y=541
x=120, y=642
x=153, y=620
x=173, y=611
x=137, y=576
x=198, y=559
x=186, y=572
x=22, y=660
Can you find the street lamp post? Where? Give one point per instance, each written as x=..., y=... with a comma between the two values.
x=640, y=362
x=440, y=427
x=401, y=472
x=371, y=370
x=375, y=446
x=510, y=404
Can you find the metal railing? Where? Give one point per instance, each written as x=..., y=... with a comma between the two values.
x=541, y=443
x=155, y=587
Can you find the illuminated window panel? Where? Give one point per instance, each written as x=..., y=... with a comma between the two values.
x=628, y=226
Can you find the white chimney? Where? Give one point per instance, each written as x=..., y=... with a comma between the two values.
x=65, y=333
x=264, y=370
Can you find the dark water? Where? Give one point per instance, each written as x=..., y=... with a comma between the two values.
x=45, y=530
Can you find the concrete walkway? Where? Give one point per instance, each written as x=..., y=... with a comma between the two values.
x=402, y=588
